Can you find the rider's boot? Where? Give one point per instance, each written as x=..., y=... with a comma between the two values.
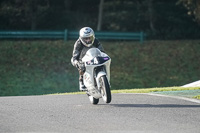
x=81, y=84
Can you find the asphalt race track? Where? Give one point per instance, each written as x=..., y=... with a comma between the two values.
x=127, y=113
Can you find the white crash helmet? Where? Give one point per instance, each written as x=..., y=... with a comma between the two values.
x=86, y=36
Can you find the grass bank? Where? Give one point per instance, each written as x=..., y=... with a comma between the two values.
x=43, y=67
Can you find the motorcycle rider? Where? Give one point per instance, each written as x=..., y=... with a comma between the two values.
x=85, y=41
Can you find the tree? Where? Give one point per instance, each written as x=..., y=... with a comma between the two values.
x=34, y=10
x=193, y=7
x=24, y=13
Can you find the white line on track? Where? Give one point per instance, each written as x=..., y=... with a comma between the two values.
x=177, y=97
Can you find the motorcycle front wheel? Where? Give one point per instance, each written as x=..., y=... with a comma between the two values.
x=105, y=89
x=93, y=100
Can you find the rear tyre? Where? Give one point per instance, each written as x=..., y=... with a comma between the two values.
x=105, y=89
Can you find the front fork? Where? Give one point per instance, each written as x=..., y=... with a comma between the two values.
x=99, y=75
x=99, y=72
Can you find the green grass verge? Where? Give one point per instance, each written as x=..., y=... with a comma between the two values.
x=147, y=90
x=197, y=97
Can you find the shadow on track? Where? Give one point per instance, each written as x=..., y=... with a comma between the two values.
x=155, y=106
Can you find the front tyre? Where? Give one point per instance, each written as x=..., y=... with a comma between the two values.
x=105, y=89
x=93, y=100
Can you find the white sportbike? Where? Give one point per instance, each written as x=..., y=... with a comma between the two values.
x=97, y=75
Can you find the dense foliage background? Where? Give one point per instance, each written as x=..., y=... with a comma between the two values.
x=160, y=19
x=29, y=67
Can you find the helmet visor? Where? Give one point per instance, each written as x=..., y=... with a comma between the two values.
x=88, y=40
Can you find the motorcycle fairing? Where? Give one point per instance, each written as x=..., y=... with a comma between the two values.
x=92, y=59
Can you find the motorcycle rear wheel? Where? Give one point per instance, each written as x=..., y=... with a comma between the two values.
x=105, y=89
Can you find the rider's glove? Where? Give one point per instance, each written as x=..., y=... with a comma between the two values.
x=80, y=66
x=75, y=63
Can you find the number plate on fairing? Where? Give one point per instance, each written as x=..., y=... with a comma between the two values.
x=97, y=60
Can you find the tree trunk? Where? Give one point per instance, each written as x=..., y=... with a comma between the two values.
x=33, y=22
x=67, y=5
x=197, y=12
x=33, y=14
x=151, y=16
x=100, y=15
